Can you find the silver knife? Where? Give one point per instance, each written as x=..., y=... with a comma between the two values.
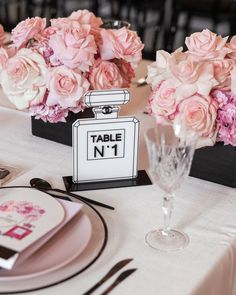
x=110, y=273
x=125, y=274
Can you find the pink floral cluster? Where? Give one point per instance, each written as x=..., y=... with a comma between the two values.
x=48, y=69
x=197, y=87
x=29, y=211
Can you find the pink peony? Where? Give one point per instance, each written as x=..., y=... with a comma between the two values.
x=206, y=45
x=199, y=114
x=24, y=78
x=26, y=30
x=105, y=75
x=73, y=47
x=66, y=87
x=122, y=43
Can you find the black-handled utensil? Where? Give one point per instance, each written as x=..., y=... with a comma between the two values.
x=110, y=273
x=125, y=274
x=44, y=185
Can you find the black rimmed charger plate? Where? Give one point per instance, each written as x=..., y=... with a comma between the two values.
x=87, y=258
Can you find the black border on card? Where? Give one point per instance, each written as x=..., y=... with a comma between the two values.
x=141, y=179
x=83, y=269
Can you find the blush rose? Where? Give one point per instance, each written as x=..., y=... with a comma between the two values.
x=105, y=75
x=66, y=87
x=199, y=113
x=23, y=78
x=121, y=43
x=73, y=47
x=26, y=30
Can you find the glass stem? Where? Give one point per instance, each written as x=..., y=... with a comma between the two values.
x=167, y=209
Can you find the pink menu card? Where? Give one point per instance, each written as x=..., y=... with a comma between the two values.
x=28, y=218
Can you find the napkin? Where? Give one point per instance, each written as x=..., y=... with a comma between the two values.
x=27, y=221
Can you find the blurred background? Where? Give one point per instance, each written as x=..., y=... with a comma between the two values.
x=161, y=24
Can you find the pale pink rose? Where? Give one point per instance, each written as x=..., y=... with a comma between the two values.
x=126, y=71
x=62, y=23
x=2, y=35
x=122, y=43
x=222, y=70
x=199, y=114
x=232, y=46
x=85, y=17
x=66, y=87
x=162, y=100
x=203, y=82
x=206, y=45
x=27, y=29
x=23, y=79
x=105, y=75
x=73, y=47
x=183, y=67
x=3, y=58
x=160, y=69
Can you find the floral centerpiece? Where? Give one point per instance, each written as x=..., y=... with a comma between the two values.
x=47, y=69
x=197, y=87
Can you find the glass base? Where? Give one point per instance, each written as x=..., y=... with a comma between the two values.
x=174, y=241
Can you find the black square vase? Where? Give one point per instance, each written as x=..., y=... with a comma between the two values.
x=59, y=132
x=216, y=164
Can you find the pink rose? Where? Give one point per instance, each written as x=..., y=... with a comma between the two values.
x=23, y=79
x=159, y=70
x=62, y=23
x=105, y=75
x=162, y=100
x=2, y=35
x=122, y=43
x=202, y=81
x=27, y=29
x=206, y=45
x=66, y=87
x=232, y=47
x=85, y=17
x=73, y=47
x=222, y=70
x=3, y=58
x=199, y=114
x=126, y=71
x=183, y=67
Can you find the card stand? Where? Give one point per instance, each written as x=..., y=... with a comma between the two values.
x=140, y=180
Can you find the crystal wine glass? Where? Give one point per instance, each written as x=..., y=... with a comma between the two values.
x=170, y=152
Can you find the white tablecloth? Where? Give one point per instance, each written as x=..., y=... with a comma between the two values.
x=204, y=210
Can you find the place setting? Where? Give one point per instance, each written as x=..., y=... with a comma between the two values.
x=106, y=135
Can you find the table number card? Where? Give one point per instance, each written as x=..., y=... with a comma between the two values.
x=105, y=148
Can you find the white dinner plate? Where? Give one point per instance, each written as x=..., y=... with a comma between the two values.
x=63, y=248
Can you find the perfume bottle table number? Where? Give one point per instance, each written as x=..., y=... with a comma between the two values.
x=105, y=148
